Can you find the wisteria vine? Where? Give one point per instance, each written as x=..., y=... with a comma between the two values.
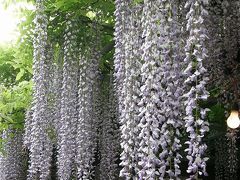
x=37, y=140
x=196, y=80
x=129, y=116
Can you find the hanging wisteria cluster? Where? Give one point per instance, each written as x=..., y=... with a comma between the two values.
x=142, y=117
x=67, y=92
x=171, y=81
x=36, y=138
x=68, y=113
x=109, y=134
x=159, y=65
x=130, y=90
x=196, y=80
x=13, y=159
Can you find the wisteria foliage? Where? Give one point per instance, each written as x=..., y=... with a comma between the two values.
x=13, y=159
x=130, y=122
x=37, y=125
x=149, y=113
x=130, y=90
x=162, y=99
x=109, y=134
x=171, y=82
x=196, y=74
x=68, y=112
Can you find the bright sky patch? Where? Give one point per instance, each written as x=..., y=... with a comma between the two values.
x=9, y=19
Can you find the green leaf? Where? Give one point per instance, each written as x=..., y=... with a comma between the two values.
x=20, y=74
